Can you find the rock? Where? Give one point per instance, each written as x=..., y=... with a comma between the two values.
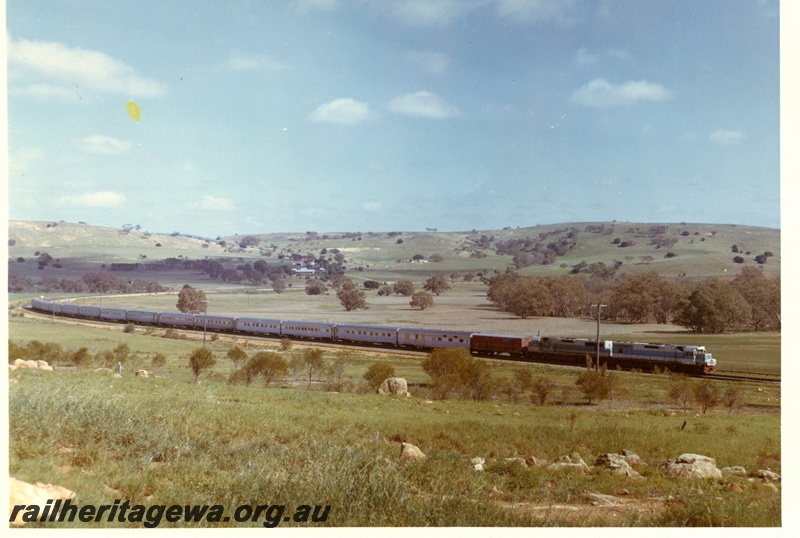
x=768, y=476
x=38, y=494
x=410, y=452
x=563, y=466
x=733, y=486
x=533, y=461
x=770, y=486
x=141, y=373
x=691, y=466
x=519, y=461
x=477, y=463
x=394, y=385
x=617, y=463
x=631, y=457
x=736, y=470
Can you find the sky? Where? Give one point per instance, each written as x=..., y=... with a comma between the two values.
x=390, y=115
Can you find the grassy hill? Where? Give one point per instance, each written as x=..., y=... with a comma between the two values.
x=690, y=250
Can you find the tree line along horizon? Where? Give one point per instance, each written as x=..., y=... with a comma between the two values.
x=750, y=301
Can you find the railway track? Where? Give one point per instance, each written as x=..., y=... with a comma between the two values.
x=742, y=378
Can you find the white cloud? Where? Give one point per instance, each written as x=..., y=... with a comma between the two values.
x=105, y=145
x=425, y=12
x=727, y=138
x=240, y=61
x=601, y=93
x=537, y=10
x=93, y=199
x=584, y=57
x=343, y=111
x=212, y=203
x=21, y=160
x=428, y=61
x=423, y=104
x=49, y=70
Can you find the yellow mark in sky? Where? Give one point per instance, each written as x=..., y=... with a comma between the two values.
x=133, y=110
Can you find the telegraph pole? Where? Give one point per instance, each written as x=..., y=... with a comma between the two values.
x=597, y=363
x=205, y=320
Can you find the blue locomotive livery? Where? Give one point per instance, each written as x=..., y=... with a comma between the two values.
x=645, y=356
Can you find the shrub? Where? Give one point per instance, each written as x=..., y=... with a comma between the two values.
x=593, y=385
x=129, y=328
x=377, y=372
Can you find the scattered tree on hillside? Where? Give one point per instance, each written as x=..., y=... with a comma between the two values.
x=312, y=362
x=404, y=287
x=351, y=298
x=200, y=360
x=315, y=287
x=236, y=355
x=436, y=285
x=763, y=295
x=191, y=300
x=421, y=300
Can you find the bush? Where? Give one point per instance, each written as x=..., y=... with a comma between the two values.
x=376, y=373
x=129, y=328
x=594, y=385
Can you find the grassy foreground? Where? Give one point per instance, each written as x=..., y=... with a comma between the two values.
x=165, y=441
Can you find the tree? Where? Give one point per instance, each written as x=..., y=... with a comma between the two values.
x=236, y=355
x=763, y=295
x=201, y=359
x=278, y=285
x=532, y=298
x=681, y=390
x=706, y=394
x=436, y=258
x=404, y=287
x=541, y=389
x=351, y=298
x=191, y=300
x=421, y=300
x=594, y=385
x=312, y=362
x=569, y=296
x=436, y=284
x=713, y=308
x=732, y=396
x=377, y=373
x=315, y=287
x=270, y=365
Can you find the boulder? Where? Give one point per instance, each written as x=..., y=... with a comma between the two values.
x=477, y=463
x=141, y=373
x=394, y=385
x=410, y=452
x=573, y=463
x=618, y=464
x=768, y=476
x=38, y=494
x=691, y=466
x=736, y=470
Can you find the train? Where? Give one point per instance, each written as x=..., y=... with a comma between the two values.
x=689, y=359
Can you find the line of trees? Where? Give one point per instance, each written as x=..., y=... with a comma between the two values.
x=750, y=301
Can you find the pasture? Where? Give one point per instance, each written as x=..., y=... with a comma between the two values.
x=164, y=439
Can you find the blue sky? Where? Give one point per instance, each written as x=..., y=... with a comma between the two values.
x=381, y=115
